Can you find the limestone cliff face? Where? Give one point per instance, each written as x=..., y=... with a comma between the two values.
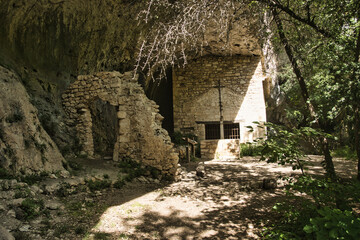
x=49, y=43
x=24, y=144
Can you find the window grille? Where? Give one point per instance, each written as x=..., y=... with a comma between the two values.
x=231, y=131
x=212, y=131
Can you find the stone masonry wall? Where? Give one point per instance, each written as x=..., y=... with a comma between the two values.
x=196, y=98
x=223, y=148
x=140, y=136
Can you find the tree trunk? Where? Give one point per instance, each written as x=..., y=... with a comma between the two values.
x=356, y=108
x=357, y=140
x=329, y=165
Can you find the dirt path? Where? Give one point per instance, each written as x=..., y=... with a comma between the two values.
x=228, y=203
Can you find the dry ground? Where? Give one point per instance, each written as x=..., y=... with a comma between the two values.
x=229, y=203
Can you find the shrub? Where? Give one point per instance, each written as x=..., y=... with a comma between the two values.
x=32, y=208
x=119, y=183
x=334, y=224
x=31, y=179
x=325, y=212
x=345, y=152
x=250, y=149
x=98, y=185
x=4, y=174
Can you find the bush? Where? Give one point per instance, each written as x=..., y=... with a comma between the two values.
x=98, y=185
x=250, y=149
x=32, y=208
x=325, y=212
x=4, y=174
x=31, y=179
x=334, y=224
x=119, y=183
x=345, y=152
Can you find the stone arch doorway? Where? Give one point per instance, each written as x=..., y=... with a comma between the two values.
x=104, y=127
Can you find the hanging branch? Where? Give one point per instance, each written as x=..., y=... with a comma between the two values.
x=178, y=29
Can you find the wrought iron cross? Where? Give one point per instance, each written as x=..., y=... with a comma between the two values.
x=221, y=110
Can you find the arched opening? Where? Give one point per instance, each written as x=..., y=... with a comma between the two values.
x=104, y=127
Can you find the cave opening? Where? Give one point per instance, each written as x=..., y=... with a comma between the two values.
x=104, y=127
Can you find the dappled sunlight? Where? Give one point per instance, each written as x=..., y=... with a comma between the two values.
x=230, y=202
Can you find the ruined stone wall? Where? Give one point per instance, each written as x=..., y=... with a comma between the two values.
x=140, y=135
x=196, y=98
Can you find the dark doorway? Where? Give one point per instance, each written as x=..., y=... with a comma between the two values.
x=104, y=127
x=161, y=92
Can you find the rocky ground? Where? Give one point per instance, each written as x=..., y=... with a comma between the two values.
x=223, y=199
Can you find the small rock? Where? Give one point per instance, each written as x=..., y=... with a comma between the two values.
x=11, y=213
x=51, y=187
x=142, y=179
x=52, y=205
x=269, y=183
x=200, y=170
x=36, y=189
x=5, y=185
x=16, y=202
x=7, y=194
x=5, y=235
x=53, y=176
x=13, y=183
x=25, y=228
x=2, y=208
x=64, y=174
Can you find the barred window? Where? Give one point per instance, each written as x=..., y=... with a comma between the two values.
x=212, y=131
x=231, y=131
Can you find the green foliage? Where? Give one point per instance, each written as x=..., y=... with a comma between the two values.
x=134, y=169
x=250, y=149
x=75, y=165
x=64, y=190
x=4, y=174
x=22, y=193
x=101, y=236
x=120, y=183
x=61, y=229
x=32, y=208
x=334, y=224
x=327, y=193
x=96, y=185
x=80, y=230
x=284, y=145
x=31, y=179
x=325, y=212
x=345, y=152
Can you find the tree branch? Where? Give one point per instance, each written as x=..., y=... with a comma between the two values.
x=308, y=20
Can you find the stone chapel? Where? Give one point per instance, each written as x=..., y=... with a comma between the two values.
x=216, y=98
